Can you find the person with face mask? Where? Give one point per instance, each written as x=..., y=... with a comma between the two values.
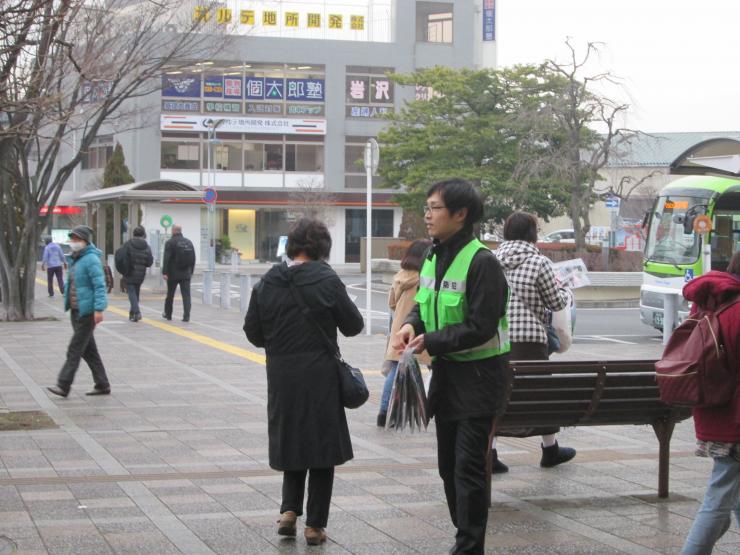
x=85, y=298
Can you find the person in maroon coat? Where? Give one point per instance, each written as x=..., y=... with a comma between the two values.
x=718, y=428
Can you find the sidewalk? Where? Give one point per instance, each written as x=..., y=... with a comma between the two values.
x=175, y=460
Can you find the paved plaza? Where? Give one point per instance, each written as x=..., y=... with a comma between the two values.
x=175, y=460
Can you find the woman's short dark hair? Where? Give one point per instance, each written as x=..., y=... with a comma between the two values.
x=414, y=257
x=310, y=237
x=521, y=226
x=139, y=231
x=734, y=266
x=458, y=194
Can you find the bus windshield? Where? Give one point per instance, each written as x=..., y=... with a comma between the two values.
x=667, y=242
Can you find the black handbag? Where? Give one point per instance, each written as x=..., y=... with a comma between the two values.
x=353, y=388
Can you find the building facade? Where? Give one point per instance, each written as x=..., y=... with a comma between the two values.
x=277, y=123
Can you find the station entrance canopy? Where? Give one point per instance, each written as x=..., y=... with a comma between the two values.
x=720, y=157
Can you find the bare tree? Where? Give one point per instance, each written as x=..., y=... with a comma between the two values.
x=310, y=199
x=72, y=66
x=582, y=130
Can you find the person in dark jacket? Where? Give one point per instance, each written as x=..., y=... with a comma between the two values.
x=139, y=257
x=86, y=299
x=718, y=428
x=307, y=426
x=178, y=265
x=460, y=318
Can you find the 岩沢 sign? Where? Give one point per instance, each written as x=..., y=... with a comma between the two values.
x=278, y=126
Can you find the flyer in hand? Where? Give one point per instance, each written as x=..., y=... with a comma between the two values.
x=408, y=403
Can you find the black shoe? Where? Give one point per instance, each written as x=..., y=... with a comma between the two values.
x=164, y=315
x=137, y=316
x=57, y=390
x=186, y=318
x=99, y=391
x=131, y=317
x=380, y=423
x=497, y=467
x=555, y=455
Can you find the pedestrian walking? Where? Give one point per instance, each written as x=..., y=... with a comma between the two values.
x=718, y=428
x=53, y=261
x=132, y=260
x=85, y=298
x=307, y=425
x=460, y=319
x=177, y=269
x=534, y=290
x=401, y=301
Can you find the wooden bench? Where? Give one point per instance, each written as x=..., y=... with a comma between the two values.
x=554, y=393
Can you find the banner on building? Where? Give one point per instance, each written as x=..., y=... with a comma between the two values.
x=185, y=86
x=213, y=87
x=489, y=20
x=277, y=126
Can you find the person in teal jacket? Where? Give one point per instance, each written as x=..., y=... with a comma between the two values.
x=85, y=297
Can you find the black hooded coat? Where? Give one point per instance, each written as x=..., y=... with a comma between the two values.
x=307, y=426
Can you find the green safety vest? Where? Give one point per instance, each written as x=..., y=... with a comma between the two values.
x=447, y=305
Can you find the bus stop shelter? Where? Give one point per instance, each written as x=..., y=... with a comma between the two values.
x=133, y=195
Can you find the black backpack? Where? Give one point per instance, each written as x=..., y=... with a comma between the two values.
x=122, y=260
x=184, y=255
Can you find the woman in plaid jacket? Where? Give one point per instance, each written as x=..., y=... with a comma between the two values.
x=534, y=291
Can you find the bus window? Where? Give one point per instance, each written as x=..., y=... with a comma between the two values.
x=666, y=241
x=725, y=239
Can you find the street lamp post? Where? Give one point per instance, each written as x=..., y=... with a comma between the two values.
x=372, y=156
x=212, y=126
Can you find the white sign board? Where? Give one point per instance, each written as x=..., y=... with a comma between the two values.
x=277, y=126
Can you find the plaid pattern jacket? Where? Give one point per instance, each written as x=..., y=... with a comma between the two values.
x=534, y=290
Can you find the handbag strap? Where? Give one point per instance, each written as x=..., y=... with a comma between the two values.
x=298, y=298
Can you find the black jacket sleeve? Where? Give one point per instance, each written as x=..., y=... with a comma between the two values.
x=252, y=323
x=167, y=258
x=486, y=293
x=149, y=257
x=345, y=312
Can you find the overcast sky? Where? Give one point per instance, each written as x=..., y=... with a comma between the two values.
x=679, y=59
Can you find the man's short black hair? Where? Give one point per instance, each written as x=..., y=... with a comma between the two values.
x=139, y=231
x=310, y=237
x=521, y=226
x=458, y=194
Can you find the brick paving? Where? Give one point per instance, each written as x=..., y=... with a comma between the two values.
x=175, y=460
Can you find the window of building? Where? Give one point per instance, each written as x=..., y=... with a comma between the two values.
x=98, y=154
x=355, y=229
x=254, y=156
x=226, y=156
x=273, y=159
x=434, y=22
x=304, y=158
x=180, y=155
x=354, y=168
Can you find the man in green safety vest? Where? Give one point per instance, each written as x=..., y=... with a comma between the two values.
x=460, y=319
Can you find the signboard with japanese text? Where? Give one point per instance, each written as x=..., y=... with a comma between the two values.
x=295, y=126
x=186, y=86
x=95, y=91
x=378, y=112
x=361, y=20
x=233, y=87
x=213, y=86
x=305, y=110
x=223, y=107
x=267, y=88
x=358, y=89
x=381, y=90
x=489, y=20
x=305, y=90
x=181, y=106
x=260, y=108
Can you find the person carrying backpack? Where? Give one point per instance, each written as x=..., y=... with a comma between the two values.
x=177, y=269
x=718, y=428
x=132, y=260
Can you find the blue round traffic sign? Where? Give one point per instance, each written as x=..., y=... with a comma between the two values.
x=210, y=196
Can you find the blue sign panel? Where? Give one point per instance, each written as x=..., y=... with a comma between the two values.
x=274, y=88
x=688, y=275
x=489, y=20
x=311, y=90
x=612, y=203
x=213, y=87
x=184, y=86
x=233, y=87
x=254, y=88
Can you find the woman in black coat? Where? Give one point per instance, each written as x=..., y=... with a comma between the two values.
x=307, y=425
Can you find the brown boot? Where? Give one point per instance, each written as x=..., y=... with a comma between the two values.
x=314, y=536
x=286, y=524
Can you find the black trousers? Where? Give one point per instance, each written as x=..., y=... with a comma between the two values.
x=50, y=273
x=184, y=291
x=320, y=484
x=461, y=457
x=82, y=346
